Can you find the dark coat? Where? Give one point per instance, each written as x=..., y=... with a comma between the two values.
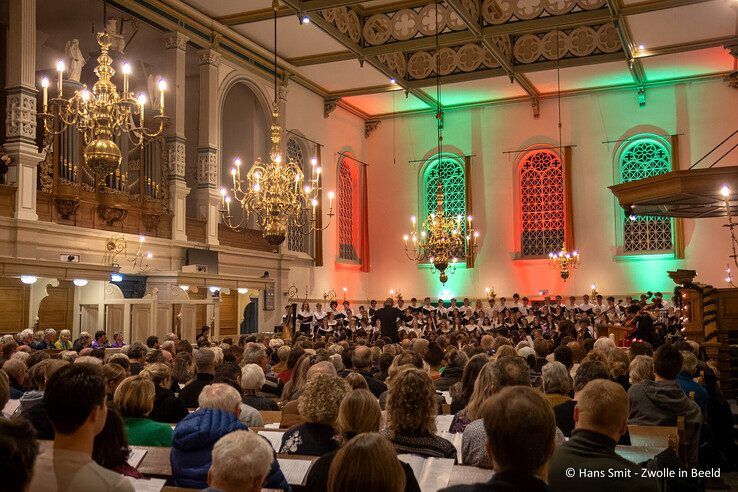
x=191, y=392
x=167, y=407
x=450, y=376
x=503, y=482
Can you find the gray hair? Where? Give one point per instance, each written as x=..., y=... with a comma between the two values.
x=240, y=458
x=604, y=345
x=252, y=377
x=25, y=333
x=21, y=356
x=218, y=353
x=68, y=355
x=510, y=371
x=252, y=353
x=5, y=339
x=337, y=362
x=88, y=359
x=65, y=332
x=555, y=378
x=50, y=331
x=219, y=396
x=204, y=359
x=689, y=362
x=641, y=369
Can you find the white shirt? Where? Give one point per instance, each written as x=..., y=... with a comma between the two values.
x=60, y=470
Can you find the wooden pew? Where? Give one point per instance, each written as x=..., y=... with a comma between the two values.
x=661, y=437
x=271, y=416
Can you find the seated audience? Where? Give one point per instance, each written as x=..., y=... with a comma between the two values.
x=361, y=359
x=114, y=374
x=75, y=402
x=318, y=405
x=205, y=365
x=290, y=411
x=101, y=339
x=65, y=341
x=555, y=383
x=520, y=434
x=255, y=353
x=600, y=417
x=48, y=341
x=618, y=361
x=134, y=400
x=252, y=380
x=411, y=415
x=110, y=448
x=196, y=434
x=18, y=451
x=229, y=373
x=137, y=353
x=453, y=371
x=241, y=462
x=367, y=462
x=685, y=380
x=462, y=391
x=359, y=413
x=588, y=370
x=661, y=401
x=640, y=369
x=17, y=374
x=32, y=406
x=483, y=388
x=298, y=378
x=167, y=406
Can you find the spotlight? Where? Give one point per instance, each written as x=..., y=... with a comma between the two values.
x=116, y=277
x=213, y=289
x=28, y=279
x=79, y=282
x=393, y=81
x=242, y=290
x=184, y=287
x=725, y=191
x=304, y=19
x=633, y=217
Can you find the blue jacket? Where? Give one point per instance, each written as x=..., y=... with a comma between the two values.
x=192, y=446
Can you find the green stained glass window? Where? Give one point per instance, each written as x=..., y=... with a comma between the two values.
x=642, y=158
x=450, y=172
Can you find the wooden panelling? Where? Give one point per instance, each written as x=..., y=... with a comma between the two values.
x=14, y=300
x=248, y=239
x=57, y=308
x=196, y=230
x=7, y=200
x=228, y=314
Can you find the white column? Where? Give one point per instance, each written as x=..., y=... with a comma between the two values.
x=208, y=198
x=176, y=46
x=20, y=115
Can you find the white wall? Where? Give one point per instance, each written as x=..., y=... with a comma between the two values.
x=703, y=111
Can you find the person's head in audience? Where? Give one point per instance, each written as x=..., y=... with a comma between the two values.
x=241, y=462
x=520, y=428
x=411, y=403
x=359, y=413
x=486, y=342
x=356, y=381
x=255, y=353
x=137, y=352
x=361, y=358
x=183, y=346
x=75, y=403
x=602, y=407
x=121, y=360
x=618, y=361
x=555, y=379
x=65, y=336
x=252, y=379
x=471, y=372
x=641, y=369
x=50, y=337
x=134, y=397
x=110, y=448
x=220, y=396
x=114, y=375
x=564, y=355
x=604, y=345
x=160, y=374
x=42, y=372
x=589, y=370
x=640, y=348
x=152, y=342
x=101, y=338
x=434, y=355
x=420, y=346
x=9, y=348
x=17, y=372
x=510, y=371
x=689, y=363
x=505, y=351
x=205, y=361
x=4, y=389
x=88, y=359
x=367, y=462
x=483, y=389
x=667, y=363
x=18, y=450
x=319, y=401
x=68, y=355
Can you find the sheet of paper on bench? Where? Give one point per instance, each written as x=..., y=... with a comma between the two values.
x=274, y=437
x=147, y=484
x=447, y=396
x=454, y=439
x=11, y=407
x=443, y=422
x=294, y=470
x=136, y=456
x=432, y=474
x=274, y=425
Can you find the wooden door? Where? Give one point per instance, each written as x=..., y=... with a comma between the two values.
x=228, y=310
x=56, y=310
x=14, y=305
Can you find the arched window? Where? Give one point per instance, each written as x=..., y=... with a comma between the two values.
x=542, y=203
x=641, y=157
x=347, y=194
x=447, y=169
x=296, y=238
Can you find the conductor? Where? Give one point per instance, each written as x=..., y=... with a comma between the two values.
x=388, y=316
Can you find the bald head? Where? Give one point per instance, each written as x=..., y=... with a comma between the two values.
x=486, y=342
x=420, y=346
x=323, y=367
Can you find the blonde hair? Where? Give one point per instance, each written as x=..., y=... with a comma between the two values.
x=113, y=372
x=505, y=351
x=134, y=397
x=641, y=369
x=321, y=398
x=366, y=462
x=603, y=404
x=157, y=372
x=359, y=413
x=618, y=362
x=483, y=388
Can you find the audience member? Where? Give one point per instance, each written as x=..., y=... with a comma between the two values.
x=252, y=380
x=241, y=461
x=18, y=451
x=168, y=407
x=205, y=366
x=134, y=400
x=75, y=402
x=229, y=373
x=483, y=389
x=367, y=462
x=685, y=380
x=555, y=383
x=462, y=391
x=137, y=352
x=588, y=371
x=110, y=448
x=361, y=359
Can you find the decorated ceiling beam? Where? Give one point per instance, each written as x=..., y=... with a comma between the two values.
x=348, y=35
x=634, y=65
x=471, y=20
x=253, y=16
x=304, y=61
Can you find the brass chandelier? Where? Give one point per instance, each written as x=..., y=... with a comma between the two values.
x=564, y=262
x=101, y=113
x=441, y=239
x=276, y=192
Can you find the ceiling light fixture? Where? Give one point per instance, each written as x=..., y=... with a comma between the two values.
x=116, y=277
x=393, y=81
x=304, y=19
x=80, y=282
x=28, y=279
